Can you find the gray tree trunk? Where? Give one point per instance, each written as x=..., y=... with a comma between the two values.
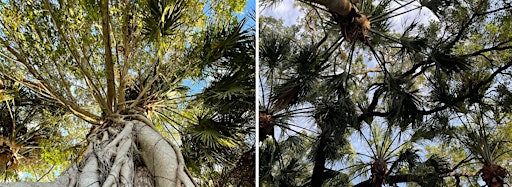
x=127, y=153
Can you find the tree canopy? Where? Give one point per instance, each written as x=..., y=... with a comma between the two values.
x=73, y=70
x=352, y=98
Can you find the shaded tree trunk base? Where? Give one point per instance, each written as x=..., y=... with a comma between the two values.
x=125, y=153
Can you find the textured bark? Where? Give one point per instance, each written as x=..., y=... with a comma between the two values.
x=126, y=153
x=162, y=158
x=354, y=25
x=342, y=7
x=493, y=175
x=266, y=125
x=109, y=64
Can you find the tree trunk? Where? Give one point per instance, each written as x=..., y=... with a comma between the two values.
x=342, y=7
x=354, y=25
x=317, y=178
x=125, y=153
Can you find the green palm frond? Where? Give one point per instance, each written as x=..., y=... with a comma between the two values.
x=402, y=101
x=283, y=163
x=225, y=40
x=442, y=91
x=336, y=178
x=232, y=90
x=438, y=163
x=412, y=44
x=162, y=18
x=384, y=145
x=437, y=127
x=448, y=62
x=480, y=136
x=274, y=50
x=408, y=157
x=438, y=6
x=504, y=98
x=305, y=68
x=212, y=131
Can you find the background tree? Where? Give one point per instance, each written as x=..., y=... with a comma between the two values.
x=120, y=67
x=347, y=71
x=28, y=120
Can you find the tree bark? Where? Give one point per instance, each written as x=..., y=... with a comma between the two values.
x=119, y=152
x=109, y=64
x=342, y=7
x=317, y=178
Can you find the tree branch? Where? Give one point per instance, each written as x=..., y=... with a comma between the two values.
x=96, y=93
x=89, y=117
x=126, y=54
x=370, y=110
x=470, y=93
x=495, y=48
x=109, y=65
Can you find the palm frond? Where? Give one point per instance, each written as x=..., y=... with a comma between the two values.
x=163, y=18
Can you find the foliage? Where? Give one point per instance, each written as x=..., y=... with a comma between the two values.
x=97, y=60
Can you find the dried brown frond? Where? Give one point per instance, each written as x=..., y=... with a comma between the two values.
x=285, y=98
x=493, y=175
x=354, y=26
x=266, y=125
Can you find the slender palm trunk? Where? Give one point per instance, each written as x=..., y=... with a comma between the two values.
x=318, y=171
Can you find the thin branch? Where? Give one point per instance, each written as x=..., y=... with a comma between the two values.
x=59, y=70
x=392, y=10
x=96, y=93
x=47, y=172
x=146, y=87
x=495, y=10
x=87, y=116
x=463, y=161
x=470, y=93
x=126, y=54
x=395, y=15
x=495, y=48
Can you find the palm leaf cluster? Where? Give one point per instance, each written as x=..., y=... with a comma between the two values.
x=214, y=124
x=164, y=17
x=26, y=129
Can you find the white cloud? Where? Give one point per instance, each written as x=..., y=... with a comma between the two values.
x=286, y=11
x=422, y=15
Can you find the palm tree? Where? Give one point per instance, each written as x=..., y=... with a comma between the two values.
x=481, y=139
x=348, y=68
x=283, y=163
x=24, y=127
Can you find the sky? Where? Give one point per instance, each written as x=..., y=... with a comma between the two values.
x=285, y=11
